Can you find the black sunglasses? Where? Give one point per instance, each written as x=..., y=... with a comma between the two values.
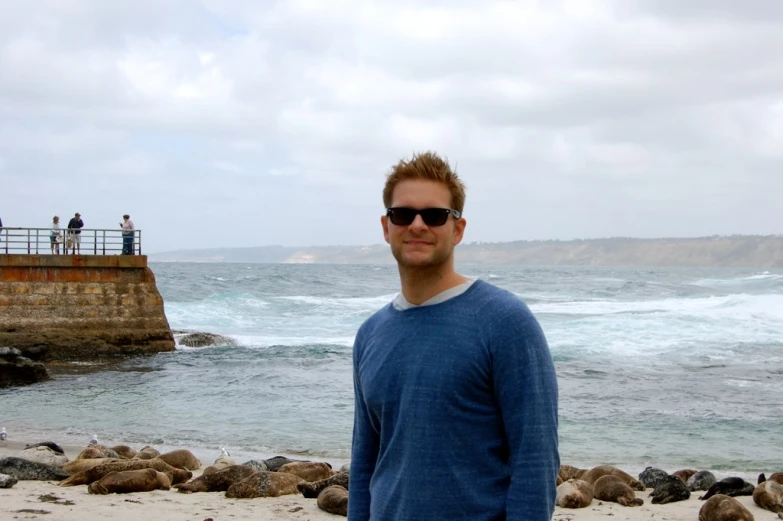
x=402, y=216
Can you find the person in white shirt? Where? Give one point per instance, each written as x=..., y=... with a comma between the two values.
x=55, y=236
x=127, y=235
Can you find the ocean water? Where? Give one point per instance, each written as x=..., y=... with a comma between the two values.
x=673, y=368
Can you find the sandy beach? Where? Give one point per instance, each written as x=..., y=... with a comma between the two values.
x=46, y=500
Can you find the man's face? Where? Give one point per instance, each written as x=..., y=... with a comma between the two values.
x=417, y=245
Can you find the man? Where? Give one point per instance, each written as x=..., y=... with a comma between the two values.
x=127, y=235
x=455, y=388
x=75, y=234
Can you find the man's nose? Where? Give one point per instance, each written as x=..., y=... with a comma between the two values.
x=418, y=223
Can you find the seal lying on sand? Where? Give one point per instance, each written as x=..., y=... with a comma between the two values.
x=669, y=490
x=142, y=480
x=97, y=451
x=312, y=489
x=684, y=474
x=592, y=475
x=264, y=484
x=124, y=451
x=181, y=459
x=88, y=476
x=769, y=496
x=7, y=481
x=272, y=464
x=567, y=472
x=724, y=508
x=43, y=454
x=614, y=488
x=308, y=470
x=23, y=469
x=218, y=481
x=52, y=445
x=334, y=499
x=732, y=486
x=257, y=465
x=777, y=477
x=650, y=477
x=147, y=453
x=223, y=462
x=78, y=465
x=702, y=480
x=574, y=493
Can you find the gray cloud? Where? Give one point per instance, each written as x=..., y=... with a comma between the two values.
x=240, y=124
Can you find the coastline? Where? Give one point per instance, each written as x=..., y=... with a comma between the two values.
x=45, y=498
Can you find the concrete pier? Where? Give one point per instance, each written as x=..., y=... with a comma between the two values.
x=81, y=307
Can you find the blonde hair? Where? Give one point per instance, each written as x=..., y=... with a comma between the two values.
x=427, y=166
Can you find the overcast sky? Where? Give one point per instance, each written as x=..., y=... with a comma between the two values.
x=246, y=123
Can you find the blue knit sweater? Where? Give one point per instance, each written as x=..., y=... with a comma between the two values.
x=456, y=413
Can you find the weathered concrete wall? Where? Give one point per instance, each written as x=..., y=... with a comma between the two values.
x=66, y=307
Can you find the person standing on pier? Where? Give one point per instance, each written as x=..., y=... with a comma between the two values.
x=127, y=235
x=75, y=233
x=55, y=236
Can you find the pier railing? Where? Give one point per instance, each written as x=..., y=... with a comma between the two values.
x=37, y=241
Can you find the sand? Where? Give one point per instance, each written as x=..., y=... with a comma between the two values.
x=42, y=500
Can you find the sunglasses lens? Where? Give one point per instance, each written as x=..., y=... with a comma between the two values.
x=434, y=216
x=402, y=216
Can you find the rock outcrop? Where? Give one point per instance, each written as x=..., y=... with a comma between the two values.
x=16, y=369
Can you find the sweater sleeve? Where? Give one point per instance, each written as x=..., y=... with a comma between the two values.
x=525, y=384
x=365, y=446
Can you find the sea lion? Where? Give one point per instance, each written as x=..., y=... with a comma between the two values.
x=52, y=445
x=97, y=451
x=223, y=462
x=669, y=490
x=78, y=465
x=218, y=481
x=732, y=486
x=592, y=475
x=574, y=493
x=147, y=453
x=611, y=487
x=312, y=489
x=308, y=470
x=651, y=476
x=769, y=496
x=88, y=476
x=142, y=480
x=567, y=472
x=257, y=465
x=334, y=499
x=684, y=474
x=777, y=477
x=7, y=481
x=724, y=508
x=278, y=461
x=23, y=469
x=43, y=454
x=124, y=451
x=264, y=484
x=181, y=459
x=702, y=480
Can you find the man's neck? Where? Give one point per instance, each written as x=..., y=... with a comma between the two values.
x=421, y=284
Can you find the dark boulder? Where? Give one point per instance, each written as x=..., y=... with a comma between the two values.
x=205, y=340
x=16, y=369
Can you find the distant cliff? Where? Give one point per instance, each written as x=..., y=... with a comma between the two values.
x=736, y=250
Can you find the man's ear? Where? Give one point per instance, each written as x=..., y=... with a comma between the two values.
x=459, y=230
x=385, y=225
